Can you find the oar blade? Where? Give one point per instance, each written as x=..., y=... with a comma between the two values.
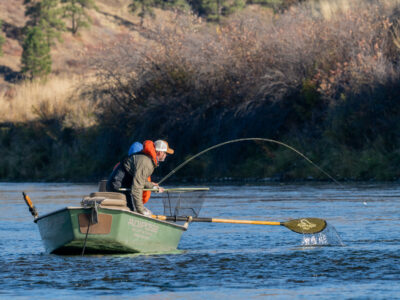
x=306, y=225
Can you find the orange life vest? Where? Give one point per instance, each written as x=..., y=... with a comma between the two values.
x=150, y=150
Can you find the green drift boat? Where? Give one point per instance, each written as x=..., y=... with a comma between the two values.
x=104, y=224
x=117, y=231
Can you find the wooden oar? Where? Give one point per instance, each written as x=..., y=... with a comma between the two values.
x=303, y=226
x=32, y=208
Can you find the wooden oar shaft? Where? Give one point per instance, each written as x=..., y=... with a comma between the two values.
x=252, y=222
x=215, y=220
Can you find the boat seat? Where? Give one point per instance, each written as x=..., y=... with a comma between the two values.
x=109, y=195
x=102, y=185
x=105, y=202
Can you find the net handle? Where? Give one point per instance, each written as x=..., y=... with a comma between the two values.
x=171, y=190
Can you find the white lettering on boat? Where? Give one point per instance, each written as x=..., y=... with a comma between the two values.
x=147, y=227
x=141, y=236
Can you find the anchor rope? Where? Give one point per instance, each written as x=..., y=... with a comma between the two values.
x=92, y=219
x=84, y=243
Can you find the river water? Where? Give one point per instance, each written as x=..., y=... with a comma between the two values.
x=219, y=261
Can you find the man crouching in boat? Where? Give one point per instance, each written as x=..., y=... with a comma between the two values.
x=134, y=172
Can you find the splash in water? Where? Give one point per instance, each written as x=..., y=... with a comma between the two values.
x=328, y=237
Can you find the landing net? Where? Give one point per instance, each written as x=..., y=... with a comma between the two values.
x=183, y=202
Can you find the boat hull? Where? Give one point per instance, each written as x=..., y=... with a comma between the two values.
x=117, y=231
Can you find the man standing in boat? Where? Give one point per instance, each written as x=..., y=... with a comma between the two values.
x=134, y=172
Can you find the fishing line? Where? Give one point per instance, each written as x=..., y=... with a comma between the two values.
x=242, y=140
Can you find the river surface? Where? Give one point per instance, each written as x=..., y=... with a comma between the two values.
x=219, y=261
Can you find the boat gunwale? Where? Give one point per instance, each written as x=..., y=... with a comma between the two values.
x=115, y=209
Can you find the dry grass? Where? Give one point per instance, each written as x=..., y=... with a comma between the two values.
x=55, y=99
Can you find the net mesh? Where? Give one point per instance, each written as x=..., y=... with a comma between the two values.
x=184, y=203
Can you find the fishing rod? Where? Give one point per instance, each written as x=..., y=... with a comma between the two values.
x=242, y=140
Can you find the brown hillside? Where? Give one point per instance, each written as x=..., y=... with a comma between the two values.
x=111, y=23
x=23, y=101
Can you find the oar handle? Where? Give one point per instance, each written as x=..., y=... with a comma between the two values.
x=32, y=208
x=215, y=220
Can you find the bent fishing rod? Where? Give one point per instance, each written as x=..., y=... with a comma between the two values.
x=242, y=140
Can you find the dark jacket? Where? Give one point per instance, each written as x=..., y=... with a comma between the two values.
x=132, y=173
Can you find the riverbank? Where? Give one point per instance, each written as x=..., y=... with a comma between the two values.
x=329, y=90
x=48, y=152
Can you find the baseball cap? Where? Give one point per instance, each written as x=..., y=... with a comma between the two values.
x=161, y=145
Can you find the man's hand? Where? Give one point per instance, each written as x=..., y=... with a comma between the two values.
x=147, y=212
x=159, y=188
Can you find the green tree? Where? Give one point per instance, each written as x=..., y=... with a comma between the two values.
x=45, y=14
x=75, y=10
x=2, y=39
x=36, y=59
x=145, y=8
x=215, y=9
x=173, y=4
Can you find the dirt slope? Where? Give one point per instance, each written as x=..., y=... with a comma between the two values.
x=112, y=22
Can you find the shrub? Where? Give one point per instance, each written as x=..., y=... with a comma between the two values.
x=319, y=71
